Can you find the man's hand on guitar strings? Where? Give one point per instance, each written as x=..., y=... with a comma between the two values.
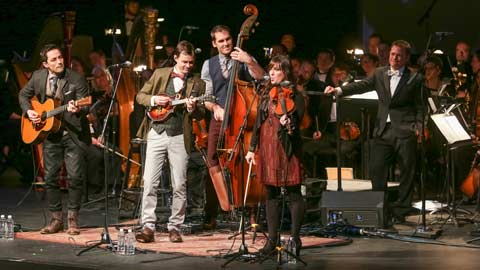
x=33, y=116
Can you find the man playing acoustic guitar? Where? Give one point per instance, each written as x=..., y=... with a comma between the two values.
x=55, y=81
x=169, y=137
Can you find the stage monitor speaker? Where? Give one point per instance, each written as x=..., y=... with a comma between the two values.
x=359, y=208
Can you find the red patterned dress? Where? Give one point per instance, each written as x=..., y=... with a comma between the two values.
x=274, y=168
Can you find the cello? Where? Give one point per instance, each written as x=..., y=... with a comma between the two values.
x=240, y=114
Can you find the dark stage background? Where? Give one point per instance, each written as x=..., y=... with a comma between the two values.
x=336, y=24
x=314, y=23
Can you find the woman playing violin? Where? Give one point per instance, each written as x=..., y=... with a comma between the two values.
x=276, y=135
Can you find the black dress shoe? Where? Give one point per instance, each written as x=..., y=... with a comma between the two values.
x=399, y=220
x=268, y=248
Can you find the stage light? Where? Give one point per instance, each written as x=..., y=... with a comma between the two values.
x=109, y=31
x=438, y=52
x=160, y=19
x=140, y=68
x=158, y=47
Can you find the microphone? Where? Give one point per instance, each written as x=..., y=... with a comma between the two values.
x=121, y=65
x=285, y=83
x=191, y=27
x=444, y=34
x=265, y=78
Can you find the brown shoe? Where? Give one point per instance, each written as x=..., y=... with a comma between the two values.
x=146, y=235
x=174, y=236
x=73, y=223
x=56, y=224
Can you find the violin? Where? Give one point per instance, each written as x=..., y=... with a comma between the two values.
x=282, y=97
x=349, y=131
x=199, y=129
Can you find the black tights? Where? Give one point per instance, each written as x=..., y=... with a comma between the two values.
x=297, y=209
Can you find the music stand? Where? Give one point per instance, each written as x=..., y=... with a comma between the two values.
x=456, y=137
x=360, y=109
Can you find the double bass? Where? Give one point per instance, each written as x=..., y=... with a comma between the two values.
x=240, y=114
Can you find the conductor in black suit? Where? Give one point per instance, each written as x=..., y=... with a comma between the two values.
x=397, y=124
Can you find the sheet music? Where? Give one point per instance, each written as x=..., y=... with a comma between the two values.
x=450, y=127
x=368, y=95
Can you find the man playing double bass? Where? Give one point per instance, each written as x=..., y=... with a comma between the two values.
x=215, y=73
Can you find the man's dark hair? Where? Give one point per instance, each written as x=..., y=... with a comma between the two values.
x=46, y=49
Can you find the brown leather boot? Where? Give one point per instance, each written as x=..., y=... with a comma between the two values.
x=56, y=224
x=73, y=223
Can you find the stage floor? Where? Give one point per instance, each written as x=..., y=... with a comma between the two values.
x=364, y=252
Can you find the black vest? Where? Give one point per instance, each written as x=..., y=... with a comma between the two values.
x=174, y=123
x=220, y=84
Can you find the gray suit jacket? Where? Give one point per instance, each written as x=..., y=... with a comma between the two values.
x=73, y=87
x=404, y=107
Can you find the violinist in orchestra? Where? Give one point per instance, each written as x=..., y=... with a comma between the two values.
x=168, y=137
x=216, y=74
x=321, y=138
x=57, y=82
x=276, y=140
x=399, y=120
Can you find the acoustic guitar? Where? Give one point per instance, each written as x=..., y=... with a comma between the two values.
x=161, y=113
x=36, y=133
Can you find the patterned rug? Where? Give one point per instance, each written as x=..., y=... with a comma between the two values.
x=199, y=244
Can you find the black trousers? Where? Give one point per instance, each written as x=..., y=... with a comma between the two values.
x=387, y=150
x=57, y=149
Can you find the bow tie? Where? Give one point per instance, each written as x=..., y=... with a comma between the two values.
x=177, y=75
x=394, y=73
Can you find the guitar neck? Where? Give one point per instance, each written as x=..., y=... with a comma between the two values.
x=56, y=111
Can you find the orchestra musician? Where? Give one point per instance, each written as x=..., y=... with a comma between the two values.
x=215, y=73
x=68, y=144
x=170, y=138
x=277, y=138
x=398, y=121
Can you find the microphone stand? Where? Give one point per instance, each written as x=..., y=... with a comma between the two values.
x=242, y=250
x=105, y=235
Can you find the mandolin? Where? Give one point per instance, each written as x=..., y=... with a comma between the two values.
x=36, y=133
x=161, y=113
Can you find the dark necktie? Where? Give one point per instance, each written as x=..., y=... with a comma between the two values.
x=225, y=67
x=53, y=85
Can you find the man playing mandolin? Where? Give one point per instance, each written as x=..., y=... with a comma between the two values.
x=68, y=143
x=169, y=137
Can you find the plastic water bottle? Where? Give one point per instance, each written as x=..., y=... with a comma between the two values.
x=121, y=242
x=292, y=247
x=130, y=243
x=9, y=228
x=3, y=226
